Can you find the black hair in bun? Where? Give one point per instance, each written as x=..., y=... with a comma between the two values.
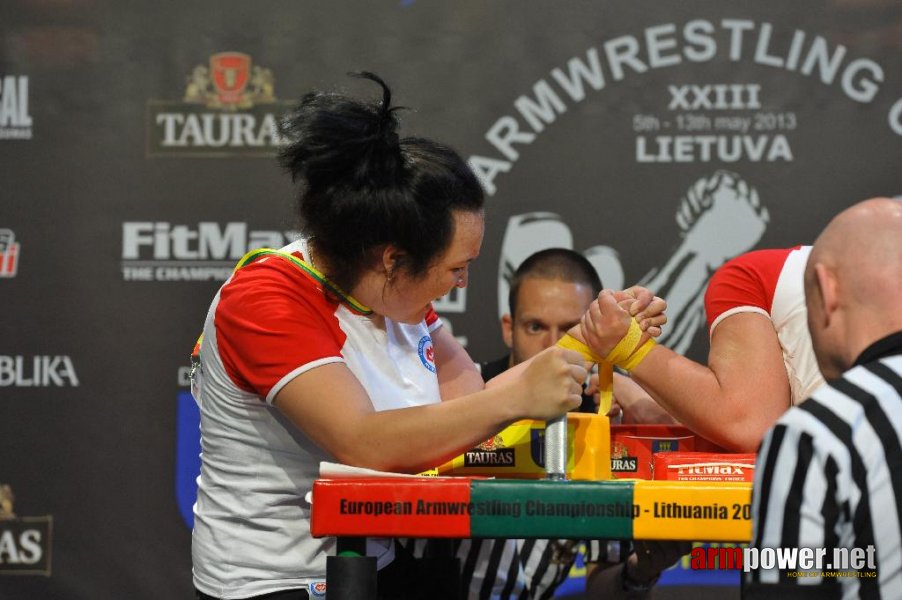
x=363, y=186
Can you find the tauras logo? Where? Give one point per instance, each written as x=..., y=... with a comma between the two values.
x=627, y=464
x=186, y=131
x=502, y=457
x=163, y=251
x=229, y=107
x=15, y=121
x=621, y=461
x=25, y=542
x=37, y=371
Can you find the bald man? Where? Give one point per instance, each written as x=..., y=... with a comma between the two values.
x=829, y=474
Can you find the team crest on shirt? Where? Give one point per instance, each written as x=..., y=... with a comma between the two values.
x=427, y=353
x=318, y=589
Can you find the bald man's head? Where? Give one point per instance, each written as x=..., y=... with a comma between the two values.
x=853, y=282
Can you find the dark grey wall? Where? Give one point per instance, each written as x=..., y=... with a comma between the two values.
x=606, y=126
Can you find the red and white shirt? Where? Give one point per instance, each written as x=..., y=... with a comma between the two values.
x=269, y=323
x=770, y=282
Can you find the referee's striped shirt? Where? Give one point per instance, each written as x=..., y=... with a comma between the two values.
x=829, y=475
x=507, y=569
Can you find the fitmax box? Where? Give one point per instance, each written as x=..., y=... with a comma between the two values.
x=704, y=466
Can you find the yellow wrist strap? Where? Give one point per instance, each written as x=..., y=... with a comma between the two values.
x=626, y=345
x=605, y=371
x=571, y=343
x=605, y=387
x=638, y=356
x=626, y=354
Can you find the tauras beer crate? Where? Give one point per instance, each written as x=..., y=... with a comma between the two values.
x=633, y=447
x=518, y=451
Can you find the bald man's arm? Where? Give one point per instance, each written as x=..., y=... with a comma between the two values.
x=736, y=398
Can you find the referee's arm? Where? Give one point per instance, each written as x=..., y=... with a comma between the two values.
x=637, y=571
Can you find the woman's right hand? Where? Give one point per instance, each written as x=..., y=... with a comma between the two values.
x=551, y=384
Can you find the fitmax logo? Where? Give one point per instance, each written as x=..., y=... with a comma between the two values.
x=162, y=251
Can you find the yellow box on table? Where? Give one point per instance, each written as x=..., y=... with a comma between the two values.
x=518, y=451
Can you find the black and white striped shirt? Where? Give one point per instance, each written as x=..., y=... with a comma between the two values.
x=508, y=569
x=829, y=475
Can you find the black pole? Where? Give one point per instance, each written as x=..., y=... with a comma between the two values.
x=351, y=575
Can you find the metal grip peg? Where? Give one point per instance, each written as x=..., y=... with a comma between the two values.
x=556, y=448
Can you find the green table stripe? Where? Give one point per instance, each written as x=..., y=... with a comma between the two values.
x=560, y=509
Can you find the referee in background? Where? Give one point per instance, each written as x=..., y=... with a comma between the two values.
x=829, y=474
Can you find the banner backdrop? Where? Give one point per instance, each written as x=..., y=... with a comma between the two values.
x=137, y=143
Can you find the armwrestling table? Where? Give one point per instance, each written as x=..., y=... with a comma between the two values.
x=352, y=509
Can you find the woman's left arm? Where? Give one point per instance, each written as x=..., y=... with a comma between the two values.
x=457, y=373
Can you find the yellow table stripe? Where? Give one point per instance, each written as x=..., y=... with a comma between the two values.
x=673, y=510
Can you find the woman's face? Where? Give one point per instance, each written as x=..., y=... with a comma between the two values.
x=406, y=298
